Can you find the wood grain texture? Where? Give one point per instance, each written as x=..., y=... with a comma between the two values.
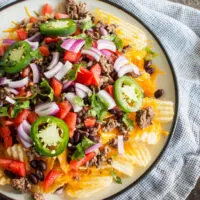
x=195, y=194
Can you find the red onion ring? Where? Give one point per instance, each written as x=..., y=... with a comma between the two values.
x=67, y=84
x=120, y=144
x=107, y=53
x=93, y=148
x=35, y=38
x=103, y=31
x=4, y=81
x=36, y=73
x=26, y=127
x=67, y=44
x=18, y=84
x=128, y=69
x=10, y=100
x=76, y=47
x=70, y=97
x=63, y=71
x=51, y=73
x=45, y=109
x=120, y=62
x=25, y=143
x=106, y=44
x=103, y=94
x=22, y=134
x=8, y=41
x=11, y=90
x=54, y=61
x=92, y=52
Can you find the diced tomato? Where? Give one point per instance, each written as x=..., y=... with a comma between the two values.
x=90, y=122
x=74, y=164
x=21, y=117
x=51, y=39
x=110, y=90
x=47, y=9
x=32, y=117
x=4, y=131
x=71, y=56
x=8, y=141
x=33, y=20
x=61, y=16
x=78, y=31
x=50, y=179
x=70, y=120
x=44, y=50
x=96, y=72
x=94, y=44
x=21, y=34
x=8, y=122
x=57, y=87
x=64, y=108
x=84, y=76
x=118, y=53
x=2, y=50
x=26, y=72
x=16, y=167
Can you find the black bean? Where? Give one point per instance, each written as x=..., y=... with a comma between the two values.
x=52, y=46
x=86, y=100
x=39, y=174
x=76, y=137
x=41, y=165
x=9, y=174
x=33, y=164
x=159, y=93
x=109, y=161
x=70, y=89
x=148, y=63
x=149, y=70
x=33, y=179
x=113, y=111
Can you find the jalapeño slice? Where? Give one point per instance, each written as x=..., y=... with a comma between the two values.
x=59, y=27
x=128, y=94
x=50, y=136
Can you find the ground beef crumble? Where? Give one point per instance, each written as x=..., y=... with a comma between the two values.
x=144, y=117
x=38, y=196
x=21, y=184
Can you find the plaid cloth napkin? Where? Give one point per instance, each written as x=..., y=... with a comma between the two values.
x=178, y=28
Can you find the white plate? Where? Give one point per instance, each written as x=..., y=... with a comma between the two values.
x=16, y=12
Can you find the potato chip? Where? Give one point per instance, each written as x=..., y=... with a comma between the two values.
x=137, y=153
x=123, y=165
x=4, y=180
x=87, y=186
x=17, y=152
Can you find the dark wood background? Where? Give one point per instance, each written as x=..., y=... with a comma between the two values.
x=195, y=194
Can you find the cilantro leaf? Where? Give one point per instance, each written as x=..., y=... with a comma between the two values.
x=118, y=41
x=99, y=107
x=4, y=112
x=150, y=54
x=87, y=24
x=78, y=101
x=72, y=74
x=81, y=147
x=116, y=178
x=46, y=90
x=18, y=108
x=128, y=121
x=36, y=54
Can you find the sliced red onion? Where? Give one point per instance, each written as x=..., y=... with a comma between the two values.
x=104, y=95
x=120, y=62
x=96, y=50
x=84, y=88
x=51, y=73
x=67, y=84
x=8, y=41
x=54, y=61
x=70, y=97
x=64, y=70
x=45, y=109
x=34, y=45
x=92, y=53
x=23, y=134
x=25, y=143
x=11, y=90
x=120, y=144
x=80, y=93
x=128, y=69
x=18, y=84
x=4, y=81
x=26, y=127
x=93, y=148
x=36, y=73
x=103, y=31
x=76, y=47
x=107, y=53
x=67, y=44
x=35, y=38
x=90, y=63
x=106, y=44
x=10, y=100
x=1, y=103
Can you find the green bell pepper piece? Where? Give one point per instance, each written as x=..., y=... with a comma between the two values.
x=128, y=94
x=50, y=136
x=59, y=27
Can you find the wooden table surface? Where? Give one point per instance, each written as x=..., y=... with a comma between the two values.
x=195, y=194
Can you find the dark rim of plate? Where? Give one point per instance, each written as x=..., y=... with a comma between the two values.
x=174, y=122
